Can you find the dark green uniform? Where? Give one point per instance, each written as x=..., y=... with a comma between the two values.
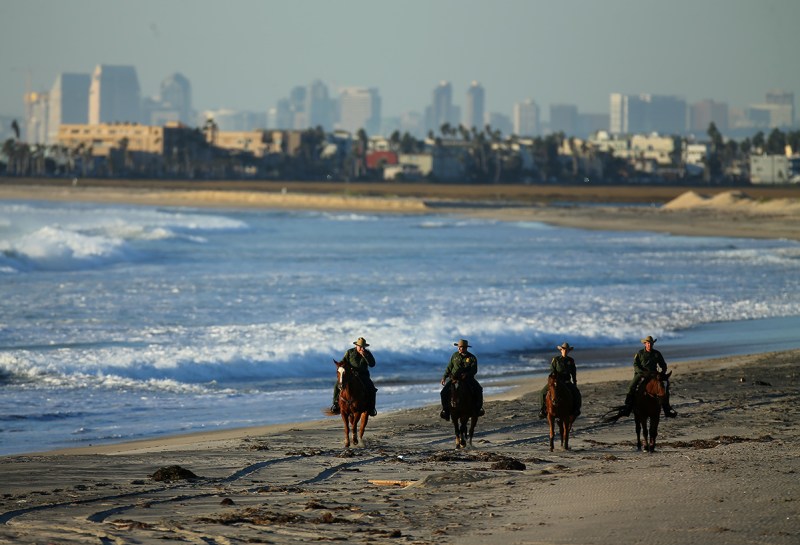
x=464, y=367
x=645, y=365
x=564, y=367
x=360, y=364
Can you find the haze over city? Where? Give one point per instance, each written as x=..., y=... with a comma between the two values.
x=246, y=55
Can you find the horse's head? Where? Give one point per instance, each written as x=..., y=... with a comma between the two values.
x=656, y=386
x=340, y=370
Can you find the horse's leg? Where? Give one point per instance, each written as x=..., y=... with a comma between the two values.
x=567, y=425
x=654, y=430
x=462, y=431
x=472, y=428
x=638, y=432
x=456, y=429
x=551, y=420
x=364, y=420
x=346, y=420
x=645, y=434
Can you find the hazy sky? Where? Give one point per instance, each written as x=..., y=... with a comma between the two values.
x=247, y=54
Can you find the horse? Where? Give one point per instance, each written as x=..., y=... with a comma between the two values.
x=353, y=403
x=462, y=409
x=647, y=405
x=558, y=402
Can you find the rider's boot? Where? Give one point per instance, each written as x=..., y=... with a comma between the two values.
x=669, y=412
x=445, y=414
x=542, y=412
x=334, y=408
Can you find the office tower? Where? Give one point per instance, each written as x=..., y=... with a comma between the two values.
x=783, y=114
x=473, y=116
x=69, y=103
x=176, y=95
x=500, y=122
x=708, y=111
x=526, y=118
x=645, y=113
x=360, y=108
x=114, y=95
x=36, y=117
x=319, y=108
x=564, y=118
x=441, y=109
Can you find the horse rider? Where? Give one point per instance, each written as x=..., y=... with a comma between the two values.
x=463, y=366
x=358, y=360
x=564, y=368
x=646, y=363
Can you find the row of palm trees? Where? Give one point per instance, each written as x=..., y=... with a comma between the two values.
x=485, y=155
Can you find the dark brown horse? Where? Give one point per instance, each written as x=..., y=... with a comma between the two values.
x=353, y=403
x=647, y=405
x=558, y=402
x=462, y=409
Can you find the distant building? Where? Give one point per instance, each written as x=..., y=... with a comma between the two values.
x=774, y=169
x=37, y=115
x=69, y=103
x=500, y=122
x=360, y=108
x=564, y=118
x=441, y=110
x=237, y=120
x=103, y=138
x=175, y=101
x=589, y=124
x=526, y=120
x=319, y=108
x=473, y=113
x=708, y=111
x=645, y=113
x=784, y=99
x=114, y=95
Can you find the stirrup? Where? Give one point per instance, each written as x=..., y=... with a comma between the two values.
x=670, y=413
x=373, y=412
x=542, y=414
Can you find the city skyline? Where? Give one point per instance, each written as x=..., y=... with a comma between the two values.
x=553, y=53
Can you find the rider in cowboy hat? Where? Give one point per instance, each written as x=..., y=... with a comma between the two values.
x=646, y=363
x=359, y=359
x=564, y=367
x=464, y=366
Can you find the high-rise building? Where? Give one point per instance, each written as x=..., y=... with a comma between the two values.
x=360, y=108
x=708, y=111
x=36, y=117
x=564, y=118
x=473, y=115
x=526, y=118
x=176, y=95
x=645, y=113
x=319, y=108
x=114, y=95
x=500, y=122
x=69, y=103
x=441, y=110
x=784, y=115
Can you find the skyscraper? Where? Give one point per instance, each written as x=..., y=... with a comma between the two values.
x=784, y=113
x=526, y=118
x=69, y=103
x=176, y=95
x=114, y=95
x=473, y=116
x=360, y=108
x=319, y=107
x=441, y=109
x=645, y=113
x=564, y=118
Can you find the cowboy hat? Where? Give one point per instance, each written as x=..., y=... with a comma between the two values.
x=462, y=342
x=649, y=339
x=361, y=342
x=565, y=346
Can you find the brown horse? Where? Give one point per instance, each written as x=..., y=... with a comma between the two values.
x=647, y=405
x=462, y=409
x=558, y=402
x=353, y=403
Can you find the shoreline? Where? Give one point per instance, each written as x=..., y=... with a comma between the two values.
x=594, y=208
x=725, y=467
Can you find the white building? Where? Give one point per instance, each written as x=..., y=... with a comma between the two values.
x=359, y=108
x=526, y=120
x=114, y=95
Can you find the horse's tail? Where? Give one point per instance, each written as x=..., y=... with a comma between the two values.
x=613, y=414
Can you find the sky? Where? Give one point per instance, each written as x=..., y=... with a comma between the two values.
x=248, y=54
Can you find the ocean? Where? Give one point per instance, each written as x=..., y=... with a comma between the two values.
x=129, y=322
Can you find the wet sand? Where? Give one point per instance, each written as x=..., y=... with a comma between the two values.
x=725, y=470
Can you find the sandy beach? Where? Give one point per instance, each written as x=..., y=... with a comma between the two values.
x=725, y=471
